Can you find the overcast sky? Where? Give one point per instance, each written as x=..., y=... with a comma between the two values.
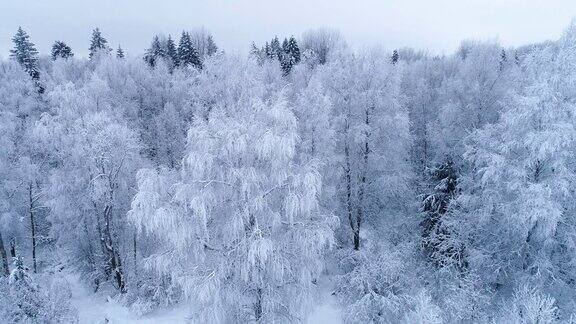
x=437, y=25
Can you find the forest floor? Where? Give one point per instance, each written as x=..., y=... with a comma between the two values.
x=100, y=309
x=327, y=311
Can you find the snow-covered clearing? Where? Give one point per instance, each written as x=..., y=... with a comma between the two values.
x=98, y=308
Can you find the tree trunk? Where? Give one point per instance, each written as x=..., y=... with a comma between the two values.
x=32, y=226
x=258, y=305
x=13, y=248
x=135, y=254
x=113, y=255
x=102, y=241
x=4, y=257
x=352, y=222
x=118, y=272
x=362, y=185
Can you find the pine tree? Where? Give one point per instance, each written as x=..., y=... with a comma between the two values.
x=275, y=49
x=285, y=46
x=284, y=58
x=154, y=52
x=61, y=50
x=24, y=291
x=25, y=53
x=171, y=51
x=120, y=53
x=187, y=54
x=258, y=53
x=20, y=272
x=289, y=55
x=434, y=207
x=98, y=44
x=212, y=48
x=503, y=60
x=395, y=57
x=254, y=50
x=293, y=49
x=267, y=50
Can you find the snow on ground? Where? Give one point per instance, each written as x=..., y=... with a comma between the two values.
x=99, y=309
x=327, y=312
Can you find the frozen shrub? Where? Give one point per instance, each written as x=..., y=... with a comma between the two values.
x=529, y=306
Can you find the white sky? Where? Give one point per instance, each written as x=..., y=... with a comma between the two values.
x=436, y=25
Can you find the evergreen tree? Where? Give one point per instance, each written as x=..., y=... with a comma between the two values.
x=24, y=292
x=25, y=53
x=258, y=53
x=293, y=49
x=155, y=51
x=212, y=48
x=285, y=46
x=120, y=53
x=171, y=51
x=395, y=57
x=503, y=60
x=254, y=50
x=98, y=44
x=275, y=49
x=290, y=55
x=285, y=59
x=187, y=54
x=435, y=205
x=267, y=50
x=61, y=50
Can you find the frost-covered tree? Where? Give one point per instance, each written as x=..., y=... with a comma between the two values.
x=120, y=52
x=22, y=167
x=372, y=136
x=423, y=310
x=293, y=49
x=187, y=54
x=290, y=55
x=256, y=233
x=521, y=193
x=395, y=57
x=61, y=50
x=322, y=42
x=528, y=305
x=98, y=44
x=25, y=53
x=203, y=42
x=274, y=50
x=513, y=217
x=171, y=51
x=155, y=52
x=211, y=47
x=475, y=93
x=162, y=49
x=435, y=205
x=421, y=94
x=25, y=293
x=89, y=191
x=23, y=300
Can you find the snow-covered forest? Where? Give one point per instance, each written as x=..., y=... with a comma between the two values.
x=394, y=185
